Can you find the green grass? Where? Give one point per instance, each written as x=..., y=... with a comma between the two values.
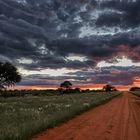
x=22, y=117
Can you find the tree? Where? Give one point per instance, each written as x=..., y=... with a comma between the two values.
x=66, y=85
x=135, y=89
x=109, y=88
x=8, y=75
x=77, y=90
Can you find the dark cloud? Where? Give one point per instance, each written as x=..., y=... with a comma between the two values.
x=126, y=16
x=109, y=19
x=112, y=75
x=49, y=31
x=46, y=80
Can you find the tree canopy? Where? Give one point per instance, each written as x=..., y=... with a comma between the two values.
x=9, y=75
x=66, y=85
x=135, y=89
x=109, y=88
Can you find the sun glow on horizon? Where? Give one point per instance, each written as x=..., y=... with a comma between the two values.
x=82, y=87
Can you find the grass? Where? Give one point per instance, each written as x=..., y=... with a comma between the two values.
x=22, y=117
x=136, y=93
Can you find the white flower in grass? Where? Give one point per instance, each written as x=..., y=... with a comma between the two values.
x=68, y=105
x=40, y=108
x=46, y=106
x=86, y=104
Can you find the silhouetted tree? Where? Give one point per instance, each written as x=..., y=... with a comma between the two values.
x=109, y=88
x=77, y=90
x=66, y=85
x=135, y=89
x=8, y=75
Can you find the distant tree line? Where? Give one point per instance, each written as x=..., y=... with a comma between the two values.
x=66, y=87
x=135, y=89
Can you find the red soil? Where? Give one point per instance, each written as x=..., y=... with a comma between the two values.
x=117, y=120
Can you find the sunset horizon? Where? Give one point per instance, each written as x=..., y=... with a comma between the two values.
x=69, y=69
x=91, y=87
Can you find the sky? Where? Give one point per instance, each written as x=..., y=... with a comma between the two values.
x=88, y=42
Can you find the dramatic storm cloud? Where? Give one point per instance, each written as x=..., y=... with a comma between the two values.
x=82, y=41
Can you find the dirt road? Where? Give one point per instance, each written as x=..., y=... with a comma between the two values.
x=117, y=120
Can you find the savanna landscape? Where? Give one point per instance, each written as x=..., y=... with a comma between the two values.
x=22, y=117
x=69, y=70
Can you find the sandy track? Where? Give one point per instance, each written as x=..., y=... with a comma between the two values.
x=117, y=120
